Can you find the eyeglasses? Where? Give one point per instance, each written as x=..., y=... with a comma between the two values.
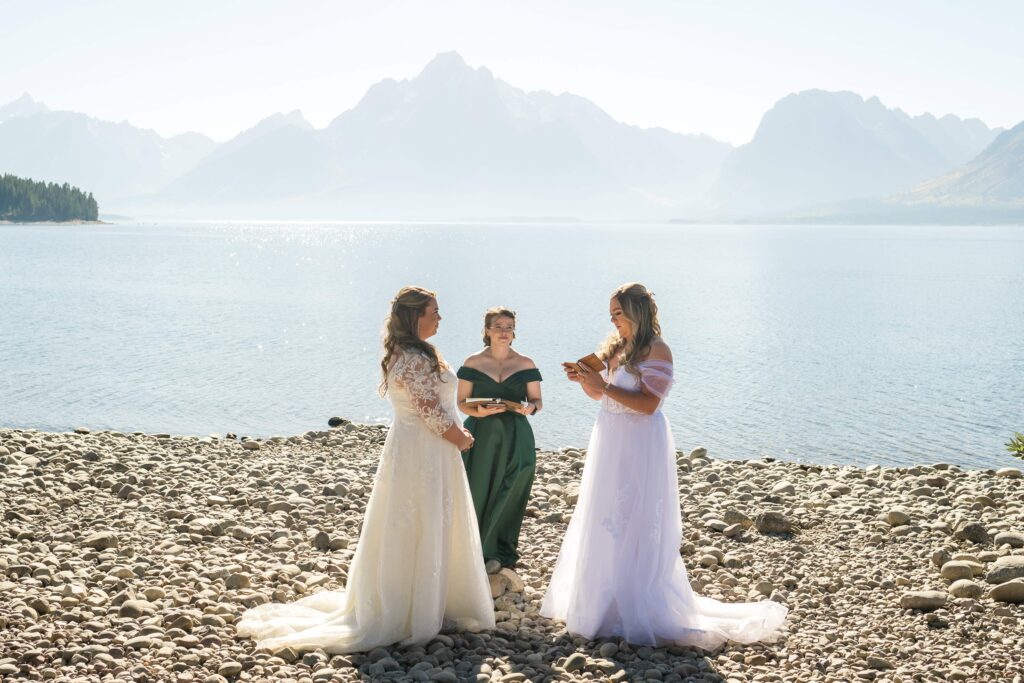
x=502, y=328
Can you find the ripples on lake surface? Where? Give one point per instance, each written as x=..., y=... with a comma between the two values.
x=879, y=344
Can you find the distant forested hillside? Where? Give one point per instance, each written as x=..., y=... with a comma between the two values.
x=22, y=199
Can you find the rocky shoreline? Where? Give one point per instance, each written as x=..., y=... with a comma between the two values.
x=130, y=556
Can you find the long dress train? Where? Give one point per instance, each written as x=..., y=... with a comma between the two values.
x=418, y=560
x=619, y=572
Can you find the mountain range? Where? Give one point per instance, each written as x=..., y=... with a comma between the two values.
x=456, y=141
x=817, y=147
x=994, y=178
x=114, y=161
x=453, y=139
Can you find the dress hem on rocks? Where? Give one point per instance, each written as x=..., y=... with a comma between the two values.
x=619, y=572
x=417, y=563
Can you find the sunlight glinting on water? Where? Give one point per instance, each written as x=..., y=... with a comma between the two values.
x=860, y=344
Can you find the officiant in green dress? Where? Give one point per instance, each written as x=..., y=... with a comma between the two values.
x=500, y=466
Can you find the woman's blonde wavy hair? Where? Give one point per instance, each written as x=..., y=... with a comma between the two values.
x=642, y=313
x=401, y=330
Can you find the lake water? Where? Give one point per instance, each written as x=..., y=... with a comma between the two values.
x=827, y=344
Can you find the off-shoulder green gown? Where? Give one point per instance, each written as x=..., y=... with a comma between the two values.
x=501, y=464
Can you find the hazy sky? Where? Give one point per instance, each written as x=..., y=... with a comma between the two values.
x=219, y=66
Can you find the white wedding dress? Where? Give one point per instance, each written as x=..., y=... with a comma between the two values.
x=418, y=561
x=619, y=572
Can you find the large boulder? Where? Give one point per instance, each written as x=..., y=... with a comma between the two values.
x=1011, y=591
x=974, y=532
x=734, y=516
x=954, y=570
x=1013, y=539
x=1006, y=569
x=514, y=583
x=923, y=600
x=897, y=517
x=784, y=488
x=965, y=588
x=773, y=522
x=499, y=584
x=101, y=540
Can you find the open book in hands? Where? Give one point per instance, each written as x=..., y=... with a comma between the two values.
x=591, y=361
x=493, y=402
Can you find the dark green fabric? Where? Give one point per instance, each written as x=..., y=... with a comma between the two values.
x=501, y=463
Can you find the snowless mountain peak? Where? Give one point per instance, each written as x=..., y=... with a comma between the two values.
x=23, y=106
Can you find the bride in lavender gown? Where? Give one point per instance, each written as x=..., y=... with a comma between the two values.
x=619, y=572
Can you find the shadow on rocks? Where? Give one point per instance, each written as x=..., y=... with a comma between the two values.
x=613, y=659
x=450, y=657
x=532, y=656
x=528, y=655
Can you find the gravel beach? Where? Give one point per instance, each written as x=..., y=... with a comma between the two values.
x=130, y=556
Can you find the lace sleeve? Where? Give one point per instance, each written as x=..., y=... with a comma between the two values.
x=656, y=376
x=413, y=373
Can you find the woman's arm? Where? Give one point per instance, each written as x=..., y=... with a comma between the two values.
x=465, y=390
x=533, y=400
x=573, y=376
x=596, y=386
x=458, y=435
x=414, y=373
x=594, y=392
x=642, y=401
x=533, y=396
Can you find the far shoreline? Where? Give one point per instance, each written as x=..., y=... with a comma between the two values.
x=74, y=222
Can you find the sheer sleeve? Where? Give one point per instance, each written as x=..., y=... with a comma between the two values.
x=656, y=376
x=413, y=372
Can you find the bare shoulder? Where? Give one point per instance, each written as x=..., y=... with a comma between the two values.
x=474, y=360
x=660, y=351
x=525, y=362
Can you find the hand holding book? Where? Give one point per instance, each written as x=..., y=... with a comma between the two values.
x=587, y=373
x=591, y=362
x=489, y=406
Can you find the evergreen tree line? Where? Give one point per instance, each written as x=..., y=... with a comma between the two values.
x=22, y=199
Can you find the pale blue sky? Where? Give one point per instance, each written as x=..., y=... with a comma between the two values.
x=218, y=67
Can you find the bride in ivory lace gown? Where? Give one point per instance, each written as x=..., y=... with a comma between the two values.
x=619, y=572
x=418, y=562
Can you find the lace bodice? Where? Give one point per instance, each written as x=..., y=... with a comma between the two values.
x=419, y=563
x=418, y=393
x=655, y=376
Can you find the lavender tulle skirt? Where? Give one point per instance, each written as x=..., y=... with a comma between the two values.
x=619, y=572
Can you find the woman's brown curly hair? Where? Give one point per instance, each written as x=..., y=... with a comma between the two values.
x=401, y=330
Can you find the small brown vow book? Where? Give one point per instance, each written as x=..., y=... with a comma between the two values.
x=490, y=402
x=591, y=361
